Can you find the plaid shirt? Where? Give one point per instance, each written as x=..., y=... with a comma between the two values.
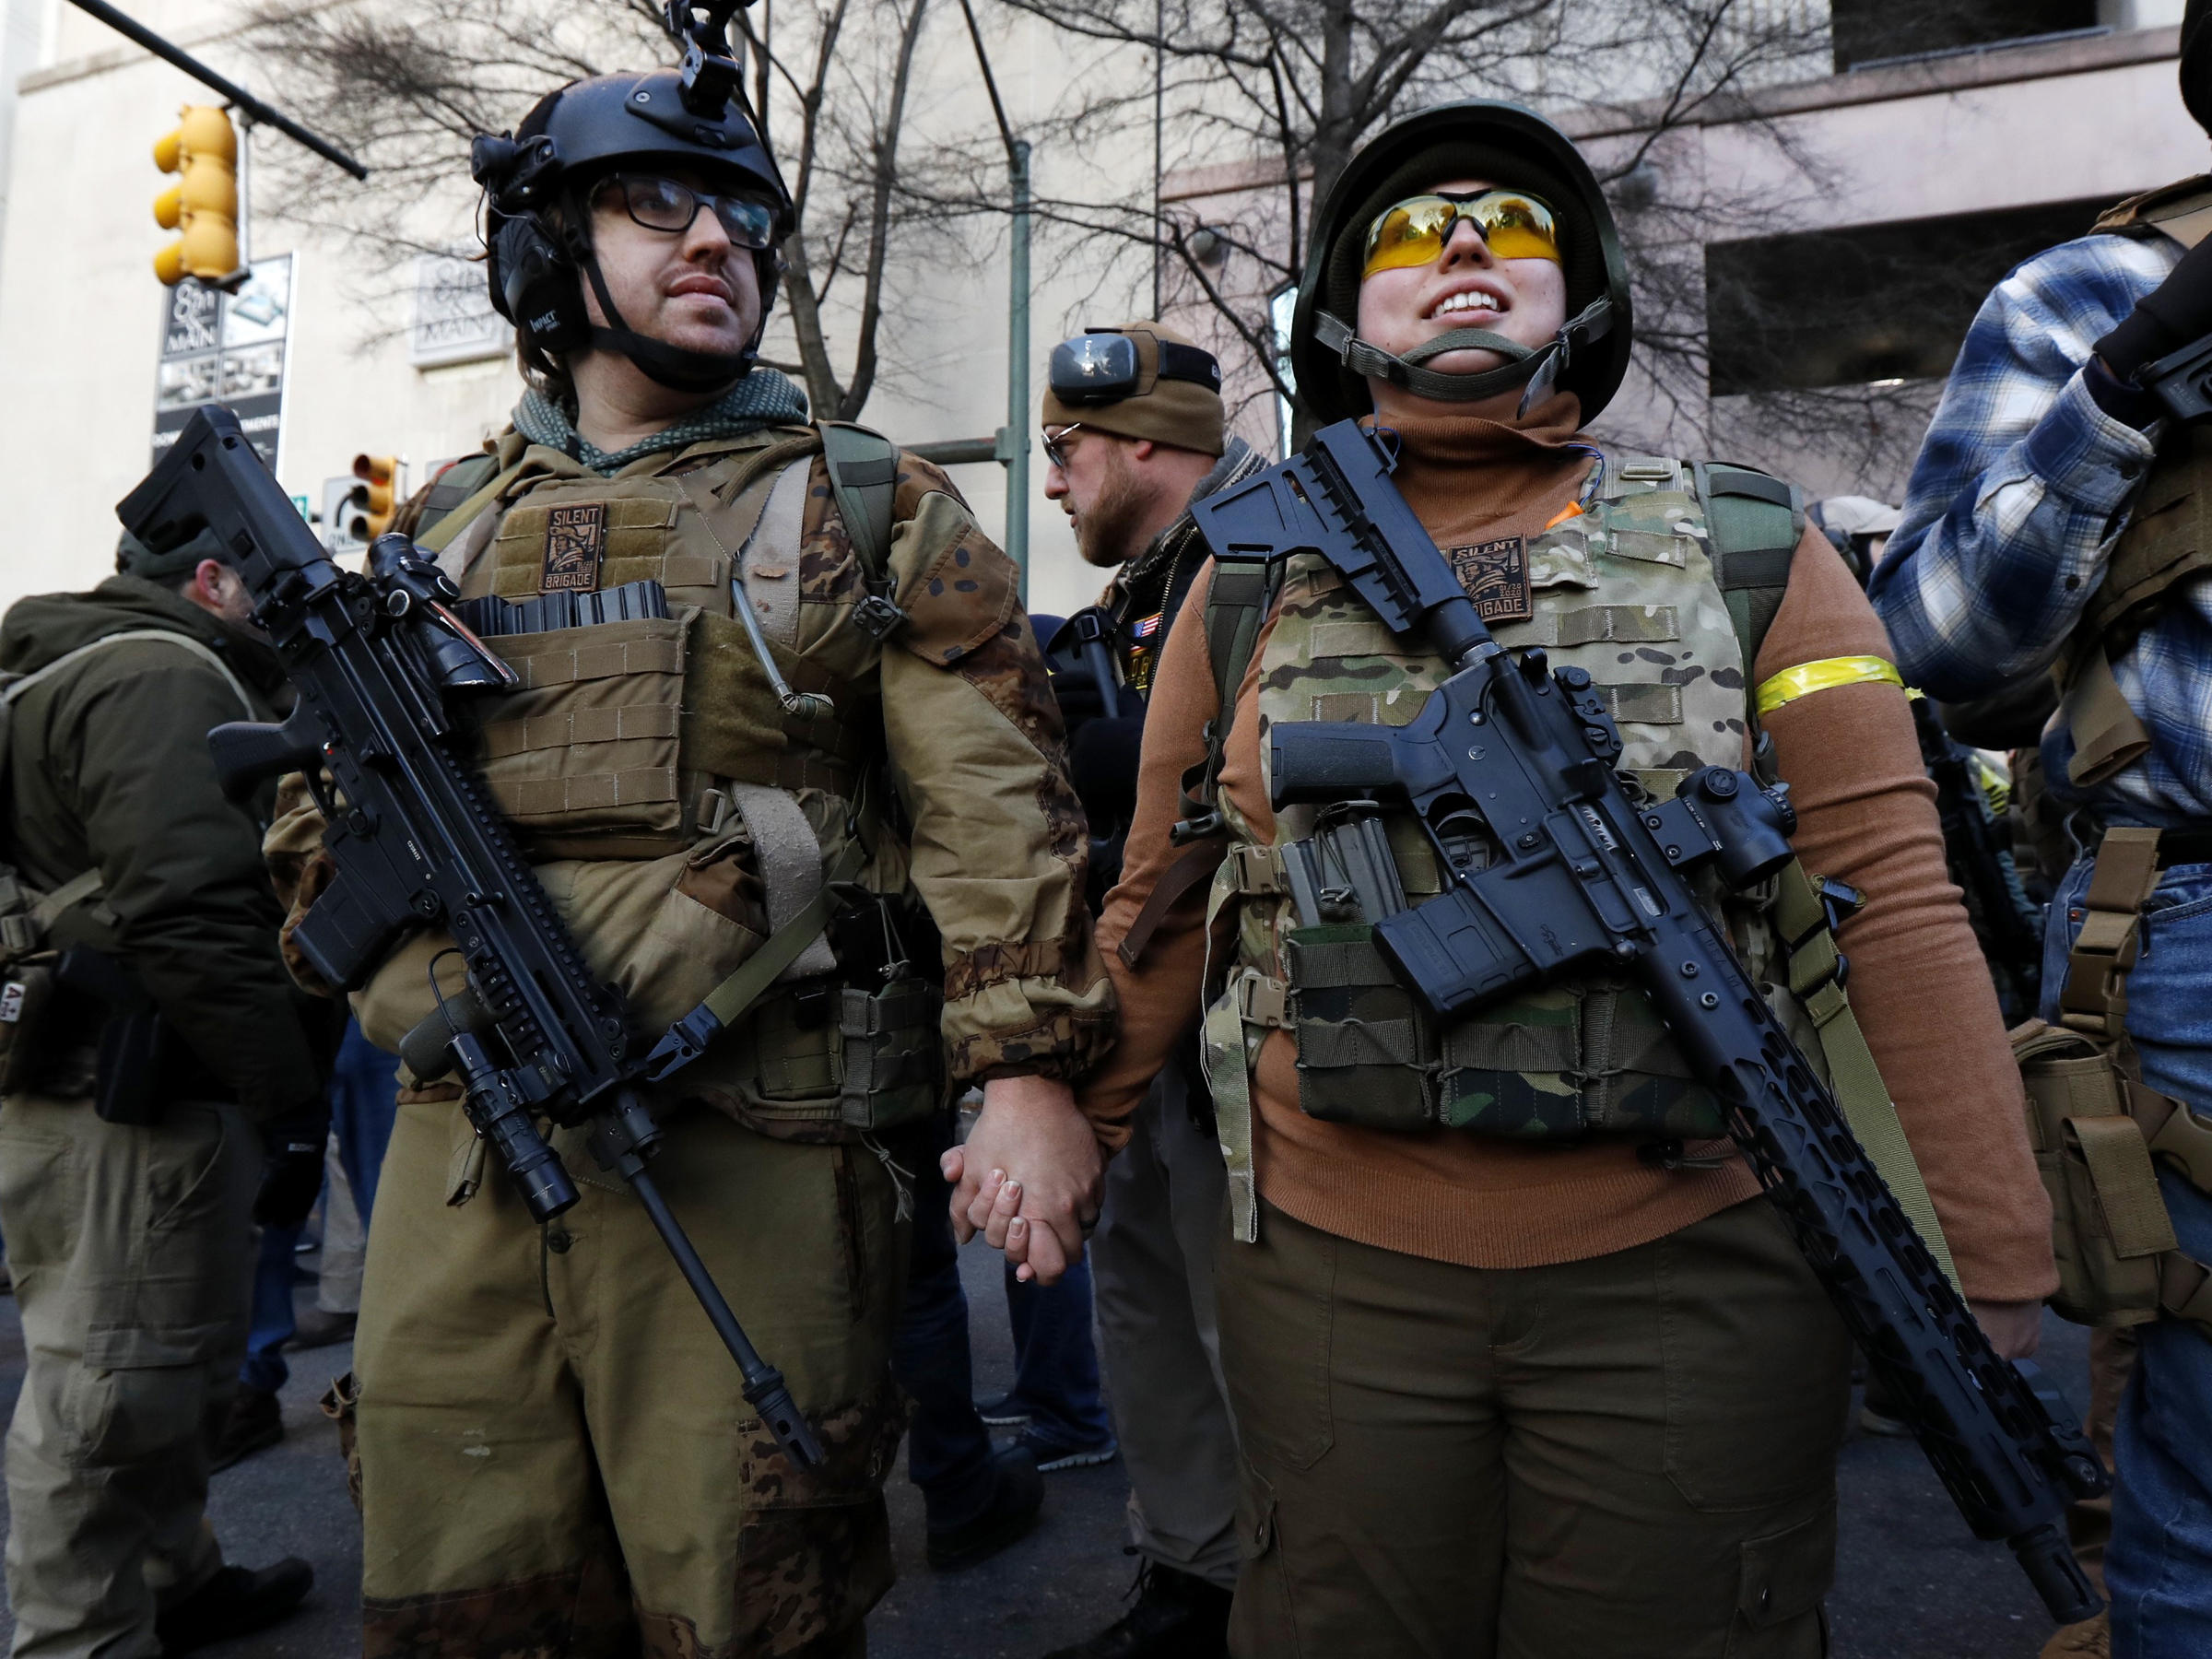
x=2019, y=493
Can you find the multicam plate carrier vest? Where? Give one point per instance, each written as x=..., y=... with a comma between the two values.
x=1661, y=587
x=674, y=809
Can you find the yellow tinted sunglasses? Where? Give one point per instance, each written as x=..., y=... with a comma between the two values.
x=1515, y=224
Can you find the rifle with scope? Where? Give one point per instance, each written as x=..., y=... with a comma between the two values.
x=379, y=661
x=1552, y=866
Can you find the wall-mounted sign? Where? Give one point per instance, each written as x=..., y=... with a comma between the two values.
x=227, y=348
x=454, y=318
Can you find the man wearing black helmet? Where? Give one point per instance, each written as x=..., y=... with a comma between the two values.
x=1520, y=1363
x=785, y=741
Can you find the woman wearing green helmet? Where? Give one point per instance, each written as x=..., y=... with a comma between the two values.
x=1518, y=1366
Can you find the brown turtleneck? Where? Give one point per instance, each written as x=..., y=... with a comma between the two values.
x=1867, y=818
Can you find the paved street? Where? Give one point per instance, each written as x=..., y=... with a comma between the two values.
x=1911, y=1583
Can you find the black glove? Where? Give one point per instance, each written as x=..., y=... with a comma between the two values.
x=293, y=1177
x=2176, y=314
x=1076, y=692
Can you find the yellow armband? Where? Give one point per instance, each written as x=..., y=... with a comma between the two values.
x=1807, y=677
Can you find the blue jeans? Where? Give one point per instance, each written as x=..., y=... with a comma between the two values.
x=364, y=1103
x=2159, y=1565
x=1057, y=1360
x=276, y=1269
x=947, y=1447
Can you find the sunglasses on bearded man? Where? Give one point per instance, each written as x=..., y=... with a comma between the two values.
x=1514, y=224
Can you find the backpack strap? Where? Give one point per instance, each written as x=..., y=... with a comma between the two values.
x=1237, y=604
x=461, y=492
x=1807, y=910
x=1755, y=521
x=864, y=479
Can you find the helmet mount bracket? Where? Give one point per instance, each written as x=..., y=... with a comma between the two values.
x=714, y=71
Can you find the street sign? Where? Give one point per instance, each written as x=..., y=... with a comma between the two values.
x=227, y=348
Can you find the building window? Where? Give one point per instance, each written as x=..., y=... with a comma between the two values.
x=454, y=318
x=1866, y=30
x=1868, y=302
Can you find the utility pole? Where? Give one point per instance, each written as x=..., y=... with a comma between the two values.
x=1011, y=448
x=1159, y=128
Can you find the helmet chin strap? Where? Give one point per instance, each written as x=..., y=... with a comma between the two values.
x=676, y=367
x=1537, y=369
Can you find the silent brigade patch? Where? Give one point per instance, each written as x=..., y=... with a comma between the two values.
x=1495, y=575
x=575, y=537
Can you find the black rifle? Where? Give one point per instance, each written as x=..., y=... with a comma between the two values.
x=2008, y=923
x=1552, y=866
x=419, y=844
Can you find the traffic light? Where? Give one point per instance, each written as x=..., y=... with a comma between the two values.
x=203, y=204
x=375, y=499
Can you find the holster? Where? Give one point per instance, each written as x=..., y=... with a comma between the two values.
x=143, y=1062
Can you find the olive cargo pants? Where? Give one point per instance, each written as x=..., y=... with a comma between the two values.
x=132, y=1250
x=1627, y=1457
x=557, y=1459
x=1153, y=1276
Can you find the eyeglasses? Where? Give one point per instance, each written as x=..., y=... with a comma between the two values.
x=663, y=205
x=1515, y=225
x=1055, y=445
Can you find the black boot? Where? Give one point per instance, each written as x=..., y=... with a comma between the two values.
x=1176, y=1616
x=235, y=1601
x=1015, y=1500
x=255, y=1423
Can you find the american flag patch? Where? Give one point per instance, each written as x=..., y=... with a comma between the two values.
x=1146, y=626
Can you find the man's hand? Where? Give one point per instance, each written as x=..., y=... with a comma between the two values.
x=2013, y=1328
x=1028, y=1177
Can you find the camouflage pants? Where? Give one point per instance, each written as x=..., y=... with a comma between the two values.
x=1616, y=1458
x=133, y=1252
x=557, y=1461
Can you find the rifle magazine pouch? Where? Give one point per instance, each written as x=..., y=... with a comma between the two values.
x=1360, y=1033
x=2109, y=1224
x=26, y=990
x=892, y=1048
x=584, y=760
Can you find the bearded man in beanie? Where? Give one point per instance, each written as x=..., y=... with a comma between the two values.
x=1520, y=1360
x=1134, y=434
x=2052, y=524
x=164, y=1093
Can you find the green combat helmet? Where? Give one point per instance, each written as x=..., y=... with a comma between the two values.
x=1480, y=138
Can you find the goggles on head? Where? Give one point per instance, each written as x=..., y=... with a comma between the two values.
x=660, y=203
x=1097, y=367
x=1515, y=224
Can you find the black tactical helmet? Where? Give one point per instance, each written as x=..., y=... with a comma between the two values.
x=574, y=136
x=1474, y=138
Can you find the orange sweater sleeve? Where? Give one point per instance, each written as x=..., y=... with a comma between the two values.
x=1867, y=816
x=1160, y=996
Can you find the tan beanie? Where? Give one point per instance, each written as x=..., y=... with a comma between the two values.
x=1178, y=412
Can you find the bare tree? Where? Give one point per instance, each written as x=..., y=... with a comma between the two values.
x=406, y=87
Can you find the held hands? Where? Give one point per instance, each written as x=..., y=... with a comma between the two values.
x=1028, y=1177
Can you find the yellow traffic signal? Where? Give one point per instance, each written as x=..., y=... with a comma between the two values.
x=203, y=204
x=375, y=499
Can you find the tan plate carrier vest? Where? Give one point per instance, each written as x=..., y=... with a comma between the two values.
x=2096, y=1127
x=1661, y=587
x=697, y=836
